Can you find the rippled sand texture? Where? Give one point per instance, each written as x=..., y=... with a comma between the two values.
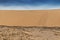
x=29, y=33
x=30, y=18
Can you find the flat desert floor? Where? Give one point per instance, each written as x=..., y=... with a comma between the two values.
x=30, y=18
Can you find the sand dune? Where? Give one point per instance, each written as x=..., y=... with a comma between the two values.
x=30, y=18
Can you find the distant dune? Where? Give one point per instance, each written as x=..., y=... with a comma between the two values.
x=30, y=18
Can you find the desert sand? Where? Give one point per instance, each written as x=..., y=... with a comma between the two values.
x=30, y=33
x=30, y=18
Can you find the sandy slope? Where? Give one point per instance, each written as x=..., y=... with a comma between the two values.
x=30, y=18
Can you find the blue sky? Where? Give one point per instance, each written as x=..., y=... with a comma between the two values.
x=29, y=4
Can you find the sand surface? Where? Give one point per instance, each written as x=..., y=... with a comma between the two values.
x=30, y=18
x=30, y=33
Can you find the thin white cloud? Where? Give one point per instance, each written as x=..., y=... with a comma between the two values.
x=42, y=7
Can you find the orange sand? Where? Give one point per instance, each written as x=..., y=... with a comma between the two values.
x=30, y=18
